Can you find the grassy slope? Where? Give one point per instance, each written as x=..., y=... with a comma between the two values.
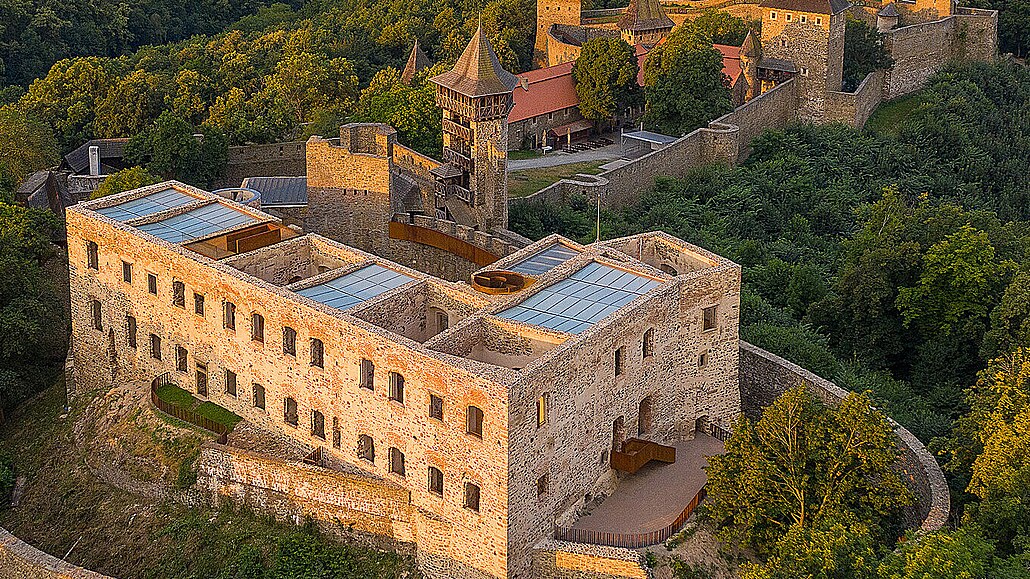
x=130, y=537
x=887, y=117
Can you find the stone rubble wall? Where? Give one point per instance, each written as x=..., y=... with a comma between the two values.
x=855, y=108
x=563, y=560
x=921, y=50
x=765, y=376
x=271, y=160
x=726, y=140
x=19, y=560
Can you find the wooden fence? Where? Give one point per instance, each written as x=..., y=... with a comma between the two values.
x=630, y=540
x=184, y=414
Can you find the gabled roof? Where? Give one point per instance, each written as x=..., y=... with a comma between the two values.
x=810, y=6
x=644, y=15
x=417, y=62
x=78, y=160
x=478, y=72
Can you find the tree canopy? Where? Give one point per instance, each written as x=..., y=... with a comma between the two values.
x=606, y=78
x=684, y=84
x=124, y=180
x=25, y=146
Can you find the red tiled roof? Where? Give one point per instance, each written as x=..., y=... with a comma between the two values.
x=551, y=89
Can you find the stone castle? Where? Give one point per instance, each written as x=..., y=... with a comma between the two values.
x=465, y=391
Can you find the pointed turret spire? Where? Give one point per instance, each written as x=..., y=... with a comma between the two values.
x=478, y=72
x=751, y=47
x=417, y=62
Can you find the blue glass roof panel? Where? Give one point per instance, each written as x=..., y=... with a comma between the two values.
x=586, y=297
x=147, y=205
x=200, y=222
x=356, y=287
x=545, y=260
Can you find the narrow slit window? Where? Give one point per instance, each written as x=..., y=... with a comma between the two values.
x=618, y=361
x=289, y=341
x=436, y=481
x=130, y=331
x=152, y=283
x=92, y=255
x=229, y=315
x=198, y=304
x=230, y=383
x=259, y=396
x=179, y=294
x=474, y=421
x=368, y=373
x=396, y=461
x=472, y=497
x=317, y=353
x=97, y=313
x=257, y=327
x=648, y=345
x=155, y=346
x=542, y=404
x=397, y=387
x=181, y=359
x=127, y=272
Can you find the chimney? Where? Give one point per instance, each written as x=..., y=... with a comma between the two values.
x=94, y=160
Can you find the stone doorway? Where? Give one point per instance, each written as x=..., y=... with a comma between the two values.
x=645, y=416
x=618, y=434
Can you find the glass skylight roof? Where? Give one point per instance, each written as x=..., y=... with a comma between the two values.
x=148, y=205
x=545, y=260
x=581, y=300
x=356, y=287
x=200, y=222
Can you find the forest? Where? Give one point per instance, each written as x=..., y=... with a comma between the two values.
x=892, y=260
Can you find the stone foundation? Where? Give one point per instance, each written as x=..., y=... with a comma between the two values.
x=19, y=560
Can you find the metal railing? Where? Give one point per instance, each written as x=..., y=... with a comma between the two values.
x=719, y=432
x=630, y=540
x=185, y=414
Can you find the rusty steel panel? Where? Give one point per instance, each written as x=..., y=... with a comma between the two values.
x=440, y=240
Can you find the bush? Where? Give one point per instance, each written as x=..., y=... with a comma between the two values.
x=7, y=477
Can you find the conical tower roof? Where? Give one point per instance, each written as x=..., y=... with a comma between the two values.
x=751, y=47
x=417, y=62
x=478, y=72
x=644, y=15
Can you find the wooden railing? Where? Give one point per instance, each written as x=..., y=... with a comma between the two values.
x=630, y=540
x=636, y=453
x=184, y=414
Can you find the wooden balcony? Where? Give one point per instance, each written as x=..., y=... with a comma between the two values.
x=636, y=453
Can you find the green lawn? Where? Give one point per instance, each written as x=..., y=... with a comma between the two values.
x=887, y=117
x=529, y=181
x=523, y=154
x=176, y=396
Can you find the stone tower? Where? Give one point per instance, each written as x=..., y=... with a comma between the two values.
x=417, y=62
x=807, y=35
x=548, y=13
x=750, y=55
x=644, y=22
x=476, y=97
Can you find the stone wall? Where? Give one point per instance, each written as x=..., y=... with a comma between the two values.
x=563, y=560
x=19, y=560
x=333, y=389
x=920, y=50
x=764, y=377
x=271, y=160
x=855, y=108
x=726, y=140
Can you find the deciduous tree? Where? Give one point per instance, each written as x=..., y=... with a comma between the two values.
x=606, y=78
x=684, y=83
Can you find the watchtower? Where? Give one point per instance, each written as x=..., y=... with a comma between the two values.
x=549, y=13
x=806, y=38
x=476, y=97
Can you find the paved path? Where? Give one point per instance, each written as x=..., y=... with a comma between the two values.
x=652, y=498
x=609, y=153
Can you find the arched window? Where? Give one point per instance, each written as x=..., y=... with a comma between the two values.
x=474, y=421
x=472, y=496
x=366, y=448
